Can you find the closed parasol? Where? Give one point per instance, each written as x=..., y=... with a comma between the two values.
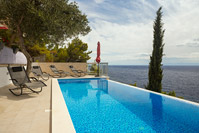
x=98, y=57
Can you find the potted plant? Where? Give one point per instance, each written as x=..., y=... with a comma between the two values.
x=15, y=48
x=1, y=44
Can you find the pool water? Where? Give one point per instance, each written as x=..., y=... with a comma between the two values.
x=100, y=105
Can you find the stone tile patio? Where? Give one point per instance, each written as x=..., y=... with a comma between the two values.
x=29, y=113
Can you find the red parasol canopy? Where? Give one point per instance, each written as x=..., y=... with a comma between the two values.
x=98, y=53
x=3, y=26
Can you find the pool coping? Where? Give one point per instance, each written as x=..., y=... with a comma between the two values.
x=61, y=116
x=61, y=120
x=172, y=97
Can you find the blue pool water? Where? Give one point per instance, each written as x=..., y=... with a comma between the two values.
x=100, y=105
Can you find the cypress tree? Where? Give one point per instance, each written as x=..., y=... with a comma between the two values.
x=155, y=67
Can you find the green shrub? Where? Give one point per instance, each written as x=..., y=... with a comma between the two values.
x=171, y=93
x=135, y=84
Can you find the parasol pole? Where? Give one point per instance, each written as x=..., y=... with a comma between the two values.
x=98, y=70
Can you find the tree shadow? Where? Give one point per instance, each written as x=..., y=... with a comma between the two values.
x=157, y=111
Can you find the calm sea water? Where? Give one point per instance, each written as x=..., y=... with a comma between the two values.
x=184, y=80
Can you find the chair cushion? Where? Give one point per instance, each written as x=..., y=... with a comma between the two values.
x=36, y=67
x=52, y=66
x=16, y=69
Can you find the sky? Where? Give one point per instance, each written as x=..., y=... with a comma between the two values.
x=125, y=30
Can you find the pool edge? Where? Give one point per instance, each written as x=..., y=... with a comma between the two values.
x=172, y=97
x=61, y=120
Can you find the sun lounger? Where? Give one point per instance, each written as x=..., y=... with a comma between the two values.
x=59, y=73
x=78, y=73
x=36, y=70
x=20, y=79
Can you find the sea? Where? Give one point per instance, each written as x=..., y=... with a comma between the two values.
x=184, y=80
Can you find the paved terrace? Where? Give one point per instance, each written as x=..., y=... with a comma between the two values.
x=31, y=112
x=28, y=113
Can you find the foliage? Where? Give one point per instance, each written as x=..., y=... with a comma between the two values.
x=61, y=55
x=53, y=53
x=42, y=21
x=37, y=50
x=171, y=93
x=135, y=84
x=155, y=71
x=5, y=36
x=93, y=68
x=15, y=48
x=77, y=51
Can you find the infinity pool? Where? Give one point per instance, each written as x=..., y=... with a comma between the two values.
x=100, y=105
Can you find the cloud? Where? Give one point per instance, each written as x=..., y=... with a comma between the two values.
x=99, y=1
x=197, y=39
x=125, y=29
x=111, y=37
x=143, y=54
x=194, y=43
x=180, y=61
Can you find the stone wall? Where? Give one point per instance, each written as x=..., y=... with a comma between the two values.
x=60, y=66
x=41, y=58
x=4, y=76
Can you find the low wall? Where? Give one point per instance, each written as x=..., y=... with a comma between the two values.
x=4, y=76
x=61, y=66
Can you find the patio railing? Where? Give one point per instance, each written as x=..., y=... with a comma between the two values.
x=93, y=67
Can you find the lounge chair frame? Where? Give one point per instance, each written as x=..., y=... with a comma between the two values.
x=78, y=73
x=36, y=70
x=35, y=83
x=59, y=73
